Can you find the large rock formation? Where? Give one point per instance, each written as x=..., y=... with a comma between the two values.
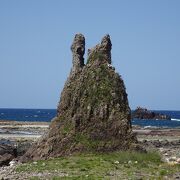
x=93, y=113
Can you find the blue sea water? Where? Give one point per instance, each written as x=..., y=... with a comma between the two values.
x=47, y=114
x=27, y=114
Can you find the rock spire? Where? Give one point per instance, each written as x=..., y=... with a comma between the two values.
x=104, y=48
x=78, y=50
x=93, y=112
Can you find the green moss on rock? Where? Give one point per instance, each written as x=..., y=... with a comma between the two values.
x=93, y=112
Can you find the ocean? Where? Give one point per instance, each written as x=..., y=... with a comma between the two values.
x=47, y=114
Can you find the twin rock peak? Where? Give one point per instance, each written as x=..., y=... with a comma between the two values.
x=93, y=114
x=78, y=50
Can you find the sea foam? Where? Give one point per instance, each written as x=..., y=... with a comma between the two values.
x=175, y=119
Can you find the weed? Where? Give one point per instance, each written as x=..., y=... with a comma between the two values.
x=103, y=166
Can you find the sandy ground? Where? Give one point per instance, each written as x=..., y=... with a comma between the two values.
x=15, y=130
x=20, y=123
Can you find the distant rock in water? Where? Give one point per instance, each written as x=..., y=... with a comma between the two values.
x=143, y=113
x=93, y=113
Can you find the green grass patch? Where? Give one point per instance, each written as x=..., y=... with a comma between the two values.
x=100, y=166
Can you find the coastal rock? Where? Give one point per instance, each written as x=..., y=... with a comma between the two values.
x=143, y=113
x=22, y=147
x=78, y=50
x=7, y=153
x=7, y=149
x=93, y=113
x=13, y=163
x=5, y=159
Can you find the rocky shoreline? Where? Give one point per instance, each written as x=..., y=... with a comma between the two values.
x=21, y=135
x=16, y=137
x=17, y=130
x=164, y=140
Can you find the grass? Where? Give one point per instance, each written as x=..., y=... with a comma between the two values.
x=87, y=142
x=118, y=165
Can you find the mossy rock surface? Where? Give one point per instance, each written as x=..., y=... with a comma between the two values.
x=93, y=112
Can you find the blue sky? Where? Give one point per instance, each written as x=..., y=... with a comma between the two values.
x=35, y=56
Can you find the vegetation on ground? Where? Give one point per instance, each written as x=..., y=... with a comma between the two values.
x=116, y=165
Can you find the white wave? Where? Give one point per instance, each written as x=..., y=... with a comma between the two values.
x=175, y=119
x=145, y=127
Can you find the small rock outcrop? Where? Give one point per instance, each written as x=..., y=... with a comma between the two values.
x=143, y=113
x=7, y=153
x=93, y=113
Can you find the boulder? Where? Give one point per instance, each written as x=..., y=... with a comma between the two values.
x=7, y=153
x=7, y=149
x=5, y=159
